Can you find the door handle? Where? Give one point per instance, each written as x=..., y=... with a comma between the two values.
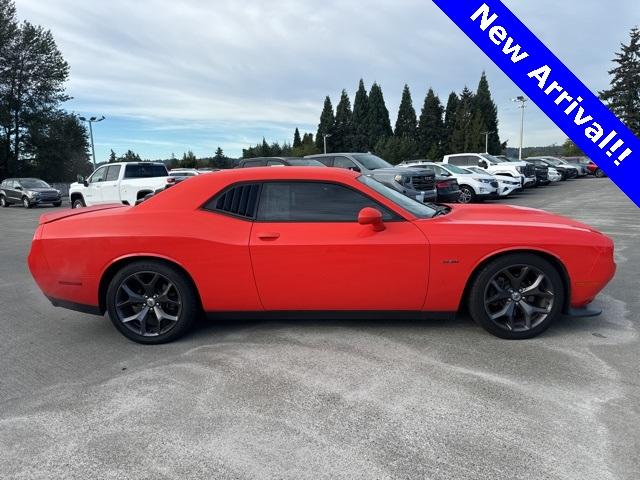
x=269, y=236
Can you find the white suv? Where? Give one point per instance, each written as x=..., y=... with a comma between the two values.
x=506, y=185
x=522, y=171
x=474, y=187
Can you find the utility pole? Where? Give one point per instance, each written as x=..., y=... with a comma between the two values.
x=91, y=121
x=326, y=135
x=522, y=101
x=486, y=140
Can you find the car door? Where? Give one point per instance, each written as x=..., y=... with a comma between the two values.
x=310, y=253
x=13, y=193
x=110, y=187
x=92, y=193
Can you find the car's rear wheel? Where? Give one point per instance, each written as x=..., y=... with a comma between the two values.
x=517, y=296
x=78, y=203
x=599, y=173
x=151, y=302
x=3, y=201
x=26, y=203
x=467, y=195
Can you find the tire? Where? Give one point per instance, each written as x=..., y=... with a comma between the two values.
x=467, y=194
x=3, y=202
x=599, y=173
x=148, y=282
x=57, y=204
x=500, y=305
x=78, y=203
x=26, y=203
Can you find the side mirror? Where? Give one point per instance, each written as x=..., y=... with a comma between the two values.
x=483, y=164
x=373, y=217
x=18, y=187
x=85, y=183
x=80, y=179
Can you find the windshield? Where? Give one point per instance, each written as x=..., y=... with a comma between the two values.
x=493, y=159
x=33, y=183
x=552, y=161
x=371, y=162
x=306, y=163
x=455, y=169
x=418, y=209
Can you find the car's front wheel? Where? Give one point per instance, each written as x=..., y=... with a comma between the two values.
x=26, y=203
x=467, y=195
x=517, y=296
x=78, y=203
x=151, y=302
x=3, y=201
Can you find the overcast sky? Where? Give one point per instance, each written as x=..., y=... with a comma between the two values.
x=197, y=74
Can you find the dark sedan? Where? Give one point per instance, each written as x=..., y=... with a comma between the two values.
x=29, y=192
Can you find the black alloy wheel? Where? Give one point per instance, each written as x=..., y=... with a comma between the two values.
x=517, y=296
x=151, y=302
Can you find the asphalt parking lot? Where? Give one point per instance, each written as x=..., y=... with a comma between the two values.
x=325, y=399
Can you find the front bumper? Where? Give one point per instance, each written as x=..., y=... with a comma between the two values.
x=44, y=200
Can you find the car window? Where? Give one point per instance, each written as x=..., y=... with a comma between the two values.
x=343, y=162
x=254, y=163
x=141, y=170
x=98, y=175
x=239, y=200
x=371, y=162
x=34, y=183
x=113, y=173
x=460, y=161
x=275, y=163
x=313, y=202
x=327, y=161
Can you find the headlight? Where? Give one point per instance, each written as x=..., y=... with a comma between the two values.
x=399, y=179
x=32, y=194
x=486, y=180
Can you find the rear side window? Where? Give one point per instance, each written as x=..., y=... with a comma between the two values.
x=141, y=170
x=328, y=161
x=254, y=163
x=460, y=161
x=313, y=202
x=240, y=201
x=112, y=173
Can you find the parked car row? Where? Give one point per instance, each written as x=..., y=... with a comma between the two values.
x=462, y=178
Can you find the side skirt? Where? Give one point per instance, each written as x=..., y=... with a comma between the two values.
x=76, y=307
x=331, y=315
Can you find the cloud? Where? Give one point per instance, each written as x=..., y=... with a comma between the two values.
x=227, y=72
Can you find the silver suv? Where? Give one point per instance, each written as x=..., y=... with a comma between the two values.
x=417, y=184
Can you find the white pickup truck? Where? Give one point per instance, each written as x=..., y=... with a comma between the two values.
x=522, y=171
x=124, y=183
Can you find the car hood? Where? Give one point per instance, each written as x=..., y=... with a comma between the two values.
x=42, y=190
x=513, y=216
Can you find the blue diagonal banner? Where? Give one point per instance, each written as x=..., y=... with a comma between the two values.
x=552, y=87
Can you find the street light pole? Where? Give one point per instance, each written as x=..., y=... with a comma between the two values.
x=522, y=101
x=486, y=140
x=91, y=121
x=326, y=135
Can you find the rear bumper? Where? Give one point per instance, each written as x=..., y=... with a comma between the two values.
x=449, y=197
x=76, y=307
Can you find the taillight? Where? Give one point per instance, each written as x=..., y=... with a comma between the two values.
x=171, y=180
x=442, y=184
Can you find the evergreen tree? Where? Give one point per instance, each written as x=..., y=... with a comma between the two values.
x=113, y=157
x=32, y=77
x=623, y=98
x=219, y=155
x=396, y=149
x=189, y=160
x=570, y=149
x=487, y=120
x=407, y=123
x=360, y=121
x=450, y=121
x=327, y=124
x=297, y=141
x=264, y=150
x=342, y=140
x=431, y=131
x=379, y=123
x=477, y=140
x=461, y=136
x=130, y=156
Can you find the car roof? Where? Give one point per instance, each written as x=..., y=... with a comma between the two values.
x=201, y=188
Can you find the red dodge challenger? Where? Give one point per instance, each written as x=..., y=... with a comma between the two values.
x=297, y=241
